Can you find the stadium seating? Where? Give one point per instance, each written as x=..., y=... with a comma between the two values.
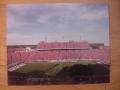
x=70, y=44
x=18, y=55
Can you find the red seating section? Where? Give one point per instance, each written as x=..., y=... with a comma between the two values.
x=70, y=44
x=17, y=55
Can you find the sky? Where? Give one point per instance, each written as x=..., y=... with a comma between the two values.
x=32, y=23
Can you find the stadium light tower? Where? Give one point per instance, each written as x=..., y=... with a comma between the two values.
x=80, y=38
x=45, y=39
x=63, y=38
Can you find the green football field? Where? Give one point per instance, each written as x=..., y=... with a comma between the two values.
x=50, y=68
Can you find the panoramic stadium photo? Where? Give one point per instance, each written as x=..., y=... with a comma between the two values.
x=58, y=43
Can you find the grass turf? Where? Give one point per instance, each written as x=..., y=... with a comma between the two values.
x=50, y=68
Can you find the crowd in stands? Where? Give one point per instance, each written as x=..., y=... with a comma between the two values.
x=19, y=55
